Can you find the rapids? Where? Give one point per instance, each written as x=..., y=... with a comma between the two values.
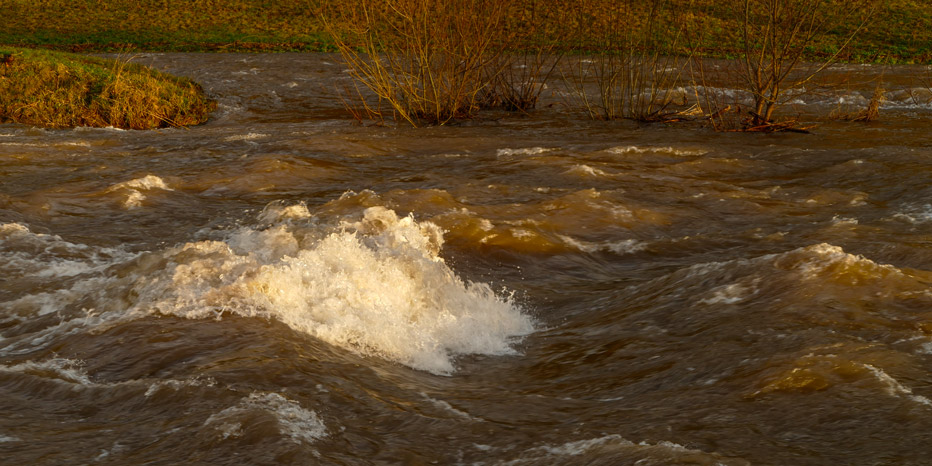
x=281, y=286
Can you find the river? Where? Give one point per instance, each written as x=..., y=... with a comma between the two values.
x=282, y=286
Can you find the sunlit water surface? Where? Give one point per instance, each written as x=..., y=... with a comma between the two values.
x=280, y=286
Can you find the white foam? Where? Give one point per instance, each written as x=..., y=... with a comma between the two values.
x=918, y=214
x=823, y=256
x=299, y=424
x=926, y=348
x=133, y=189
x=844, y=221
x=443, y=405
x=668, y=150
x=23, y=144
x=663, y=452
x=628, y=246
x=582, y=446
x=507, y=152
x=176, y=385
x=145, y=183
x=731, y=293
x=894, y=388
x=60, y=369
x=39, y=255
x=115, y=449
x=245, y=137
x=376, y=286
x=8, y=438
x=586, y=170
x=373, y=284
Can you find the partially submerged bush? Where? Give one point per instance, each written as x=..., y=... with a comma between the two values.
x=60, y=90
x=635, y=68
x=427, y=60
x=777, y=37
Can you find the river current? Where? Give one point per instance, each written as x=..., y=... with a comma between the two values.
x=282, y=286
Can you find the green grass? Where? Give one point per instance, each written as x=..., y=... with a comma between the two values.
x=901, y=32
x=162, y=25
x=61, y=90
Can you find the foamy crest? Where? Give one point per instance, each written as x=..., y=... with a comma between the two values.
x=133, y=189
x=65, y=370
x=586, y=170
x=448, y=408
x=628, y=246
x=916, y=214
x=173, y=384
x=507, y=152
x=731, y=293
x=375, y=286
x=614, y=449
x=664, y=150
x=278, y=212
x=245, y=137
x=895, y=388
x=299, y=424
x=824, y=259
x=24, y=253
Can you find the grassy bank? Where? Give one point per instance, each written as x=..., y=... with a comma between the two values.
x=60, y=90
x=900, y=33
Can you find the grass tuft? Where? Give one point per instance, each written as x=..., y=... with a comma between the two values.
x=62, y=90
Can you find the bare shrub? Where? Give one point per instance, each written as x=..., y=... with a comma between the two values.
x=517, y=77
x=427, y=61
x=636, y=69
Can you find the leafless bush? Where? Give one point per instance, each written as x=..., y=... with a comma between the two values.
x=428, y=61
x=635, y=68
x=519, y=76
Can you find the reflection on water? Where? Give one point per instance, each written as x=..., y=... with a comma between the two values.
x=280, y=286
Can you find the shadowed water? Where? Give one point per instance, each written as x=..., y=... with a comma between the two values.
x=280, y=286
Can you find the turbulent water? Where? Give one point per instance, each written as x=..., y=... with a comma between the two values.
x=280, y=286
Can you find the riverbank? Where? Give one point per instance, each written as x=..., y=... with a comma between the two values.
x=901, y=32
x=61, y=90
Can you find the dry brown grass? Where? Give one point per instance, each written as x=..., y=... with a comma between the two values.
x=870, y=112
x=58, y=90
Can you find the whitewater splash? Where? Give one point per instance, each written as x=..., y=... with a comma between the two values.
x=373, y=284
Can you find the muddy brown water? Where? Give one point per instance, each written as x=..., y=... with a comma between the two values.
x=280, y=286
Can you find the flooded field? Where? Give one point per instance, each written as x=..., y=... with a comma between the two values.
x=280, y=286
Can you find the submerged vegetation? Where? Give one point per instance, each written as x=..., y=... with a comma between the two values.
x=60, y=90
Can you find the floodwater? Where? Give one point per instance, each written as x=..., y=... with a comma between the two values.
x=281, y=286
